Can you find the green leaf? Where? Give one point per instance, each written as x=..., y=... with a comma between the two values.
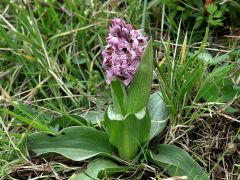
x=216, y=22
x=221, y=71
x=218, y=14
x=99, y=168
x=93, y=116
x=68, y=121
x=30, y=112
x=118, y=96
x=76, y=143
x=199, y=21
x=128, y=132
x=84, y=119
x=211, y=93
x=204, y=41
x=139, y=90
x=158, y=113
x=220, y=59
x=211, y=8
x=204, y=57
x=31, y=122
x=209, y=87
x=229, y=92
x=177, y=162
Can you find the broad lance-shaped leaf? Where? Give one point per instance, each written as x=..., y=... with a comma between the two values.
x=76, y=143
x=127, y=133
x=176, y=162
x=158, y=113
x=99, y=168
x=139, y=90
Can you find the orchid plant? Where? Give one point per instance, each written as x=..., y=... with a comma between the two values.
x=130, y=123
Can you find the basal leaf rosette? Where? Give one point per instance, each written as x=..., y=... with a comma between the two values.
x=127, y=133
x=134, y=118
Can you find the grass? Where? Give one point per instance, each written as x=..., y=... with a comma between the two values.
x=50, y=66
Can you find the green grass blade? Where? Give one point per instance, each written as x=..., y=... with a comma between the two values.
x=31, y=122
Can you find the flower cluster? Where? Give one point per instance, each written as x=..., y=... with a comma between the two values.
x=123, y=51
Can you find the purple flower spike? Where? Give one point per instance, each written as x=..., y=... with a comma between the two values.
x=123, y=51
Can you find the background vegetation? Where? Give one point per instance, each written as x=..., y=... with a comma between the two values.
x=50, y=66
